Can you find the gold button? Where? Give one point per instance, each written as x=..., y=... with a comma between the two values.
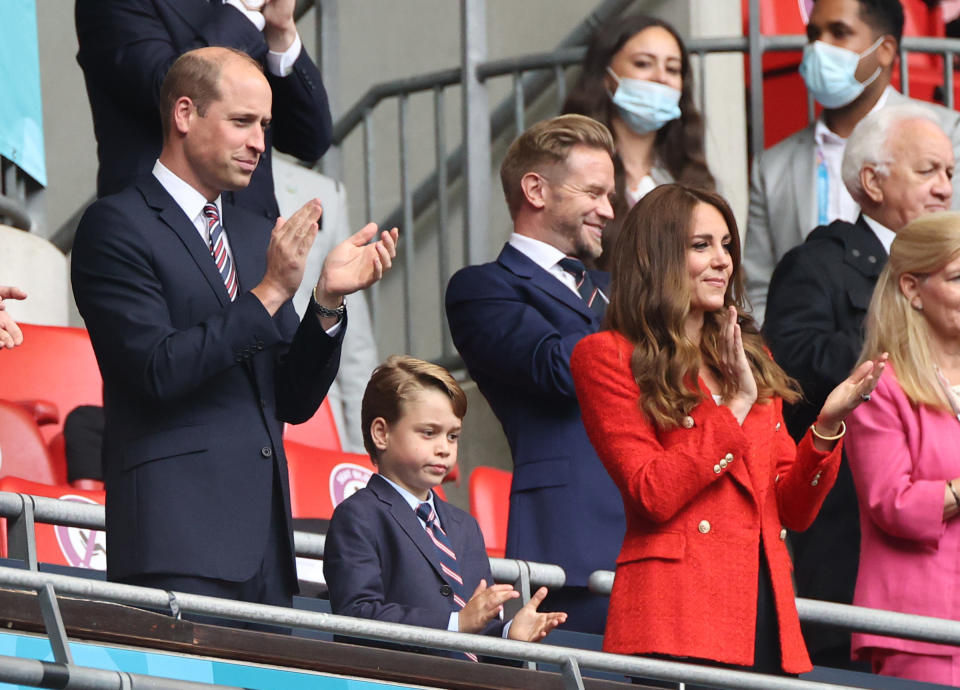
x=814, y=482
x=777, y=428
x=716, y=469
x=783, y=534
x=704, y=527
x=776, y=479
x=723, y=463
x=728, y=457
x=688, y=422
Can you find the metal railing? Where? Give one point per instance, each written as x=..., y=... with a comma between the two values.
x=17, y=193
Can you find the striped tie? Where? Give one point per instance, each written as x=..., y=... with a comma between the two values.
x=588, y=291
x=448, y=559
x=218, y=248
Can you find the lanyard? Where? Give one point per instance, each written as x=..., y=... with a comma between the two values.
x=823, y=190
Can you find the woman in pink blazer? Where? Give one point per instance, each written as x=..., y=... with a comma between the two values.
x=904, y=450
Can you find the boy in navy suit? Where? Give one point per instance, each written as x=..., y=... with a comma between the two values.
x=395, y=551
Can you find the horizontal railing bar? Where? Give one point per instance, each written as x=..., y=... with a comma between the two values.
x=533, y=61
x=16, y=211
x=404, y=634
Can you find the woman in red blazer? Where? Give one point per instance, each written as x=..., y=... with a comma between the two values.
x=683, y=404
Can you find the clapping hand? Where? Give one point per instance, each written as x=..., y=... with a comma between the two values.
x=853, y=390
x=485, y=605
x=734, y=361
x=529, y=625
x=354, y=265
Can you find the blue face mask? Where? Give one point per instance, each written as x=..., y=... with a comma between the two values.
x=645, y=106
x=830, y=73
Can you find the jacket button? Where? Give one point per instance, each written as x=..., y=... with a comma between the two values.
x=266, y=452
x=855, y=252
x=688, y=422
x=716, y=469
x=783, y=535
x=777, y=427
x=704, y=527
x=776, y=479
x=446, y=590
x=872, y=259
x=728, y=457
x=723, y=462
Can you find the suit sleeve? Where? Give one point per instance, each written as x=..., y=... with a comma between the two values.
x=758, y=255
x=657, y=478
x=354, y=574
x=123, y=304
x=504, y=338
x=883, y=467
x=801, y=327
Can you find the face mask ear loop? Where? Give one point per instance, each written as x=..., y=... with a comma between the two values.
x=872, y=77
x=616, y=78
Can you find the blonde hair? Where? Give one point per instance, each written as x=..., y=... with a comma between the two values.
x=545, y=145
x=923, y=247
x=398, y=381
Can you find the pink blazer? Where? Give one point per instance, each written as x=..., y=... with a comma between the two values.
x=900, y=455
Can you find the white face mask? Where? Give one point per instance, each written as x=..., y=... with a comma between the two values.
x=645, y=106
x=830, y=73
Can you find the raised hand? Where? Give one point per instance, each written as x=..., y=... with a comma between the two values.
x=529, y=625
x=290, y=242
x=736, y=366
x=280, y=30
x=853, y=390
x=10, y=333
x=485, y=604
x=354, y=265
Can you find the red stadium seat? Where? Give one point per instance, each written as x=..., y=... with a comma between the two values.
x=490, y=505
x=320, y=431
x=74, y=546
x=23, y=452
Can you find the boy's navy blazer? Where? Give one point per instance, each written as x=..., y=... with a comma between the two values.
x=516, y=325
x=196, y=388
x=379, y=562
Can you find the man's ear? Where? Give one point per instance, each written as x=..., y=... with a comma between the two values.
x=910, y=288
x=887, y=52
x=534, y=189
x=183, y=112
x=379, y=431
x=870, y=181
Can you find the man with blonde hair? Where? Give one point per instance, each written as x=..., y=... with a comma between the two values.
x=516, y=321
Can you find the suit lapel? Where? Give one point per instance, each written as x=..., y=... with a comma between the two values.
x=174, y=218
x=804, y=174
x=407, y=519
x=522, y=266
x=245, y=255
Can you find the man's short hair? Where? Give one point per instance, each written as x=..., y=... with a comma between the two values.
x=196, y=75
x=545, y=145
x=869, y=143
x=397, y=381
x=885, y=17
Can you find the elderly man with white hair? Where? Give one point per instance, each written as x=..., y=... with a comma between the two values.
x=897, y=165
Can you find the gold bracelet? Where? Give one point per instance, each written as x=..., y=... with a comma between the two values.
x=843, y=430
x=956, y=496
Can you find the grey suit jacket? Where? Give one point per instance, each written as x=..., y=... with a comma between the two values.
x=783, y=202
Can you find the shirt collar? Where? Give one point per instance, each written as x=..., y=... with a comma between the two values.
x=409, y=497
x=825, y=137
x=188, y=199
x=544, y=255
x=884, y=234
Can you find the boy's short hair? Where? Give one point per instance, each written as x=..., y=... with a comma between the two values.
x=396, y=382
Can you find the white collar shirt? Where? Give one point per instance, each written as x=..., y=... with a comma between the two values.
x=546, y=256
x=883, y=233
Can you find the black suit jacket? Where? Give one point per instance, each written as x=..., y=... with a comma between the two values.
x=379, y=562
x=515, y=326
x=196, y=388
x=126, y=48
x=816, y=308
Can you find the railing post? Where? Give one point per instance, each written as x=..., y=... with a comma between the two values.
x=21, y=539
x=476, y=131
x=328, y=54
x=53, y=622
x=755, y=43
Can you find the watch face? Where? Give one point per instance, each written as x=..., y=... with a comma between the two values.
x=254, y=4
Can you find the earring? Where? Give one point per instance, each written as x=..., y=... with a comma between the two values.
x=917, y=305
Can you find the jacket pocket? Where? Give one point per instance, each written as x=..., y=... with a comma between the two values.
x=541, y=474
x=166, y=444
x=669, y=546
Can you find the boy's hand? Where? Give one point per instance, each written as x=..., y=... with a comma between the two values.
x=485, y=604
x=531, y=626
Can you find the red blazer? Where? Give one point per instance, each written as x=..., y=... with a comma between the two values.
x=700, y=503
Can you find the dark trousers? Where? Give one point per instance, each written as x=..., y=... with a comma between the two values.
x=272, y=584
x=586, y=612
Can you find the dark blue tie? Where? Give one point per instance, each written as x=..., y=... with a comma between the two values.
x=588, y=291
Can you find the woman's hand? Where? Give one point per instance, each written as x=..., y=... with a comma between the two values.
x=737, y=367
x=843, y=399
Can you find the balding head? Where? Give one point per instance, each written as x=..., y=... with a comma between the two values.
x=898, y=165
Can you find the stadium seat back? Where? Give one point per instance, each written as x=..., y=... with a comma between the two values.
x=490, y=505
x=320, y=431
x=23, y=452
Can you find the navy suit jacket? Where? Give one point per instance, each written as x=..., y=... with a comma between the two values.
x=515, y=325
x=196, y=388
x=126, y=49
x=379, y=562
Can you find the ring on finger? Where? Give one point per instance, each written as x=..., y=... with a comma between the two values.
x=865, y=397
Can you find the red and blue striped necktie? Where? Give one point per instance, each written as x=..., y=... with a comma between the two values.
x=588, y=291
x=218, y=248
x=447, y=557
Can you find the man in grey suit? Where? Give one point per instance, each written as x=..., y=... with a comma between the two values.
x=796, y=185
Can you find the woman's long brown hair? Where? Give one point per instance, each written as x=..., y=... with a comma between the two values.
x=650, y=301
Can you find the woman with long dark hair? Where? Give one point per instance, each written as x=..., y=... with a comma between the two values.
x=636, y=79
x=683, y=403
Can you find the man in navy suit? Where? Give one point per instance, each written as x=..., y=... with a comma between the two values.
x=126, y=48
x=515, y=322
x=187, y=300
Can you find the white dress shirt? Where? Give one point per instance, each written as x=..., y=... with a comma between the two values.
x=546, y=256
x=884, y=234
